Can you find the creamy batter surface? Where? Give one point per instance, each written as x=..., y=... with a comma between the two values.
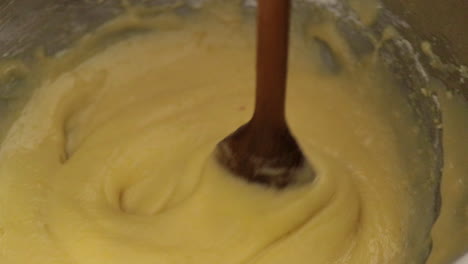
x=111, y=161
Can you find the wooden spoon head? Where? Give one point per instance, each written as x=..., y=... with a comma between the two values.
x=260, y=156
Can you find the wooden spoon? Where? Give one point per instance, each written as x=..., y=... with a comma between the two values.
x=263, y=150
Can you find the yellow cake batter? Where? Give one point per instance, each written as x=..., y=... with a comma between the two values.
x=111, y=161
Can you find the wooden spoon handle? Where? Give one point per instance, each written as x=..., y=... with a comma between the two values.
x=272, y=58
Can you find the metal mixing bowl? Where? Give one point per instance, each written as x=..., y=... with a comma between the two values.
x=55, y=25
